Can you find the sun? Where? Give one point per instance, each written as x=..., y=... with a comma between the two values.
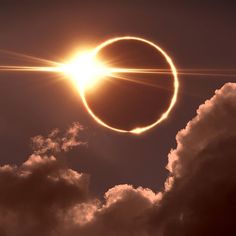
x=113, y=71
x=85, y=70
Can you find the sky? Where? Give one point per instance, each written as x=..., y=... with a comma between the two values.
x=66, y=180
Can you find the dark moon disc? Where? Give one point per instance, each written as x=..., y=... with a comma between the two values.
x=127, y=101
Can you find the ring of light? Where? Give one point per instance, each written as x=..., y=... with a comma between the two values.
x=137, y=130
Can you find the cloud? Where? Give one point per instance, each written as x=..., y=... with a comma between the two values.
x=215, y=121
x=55, y=142
x=200, y=197
x=33, y=195
x=123, y=213
x=45, y=197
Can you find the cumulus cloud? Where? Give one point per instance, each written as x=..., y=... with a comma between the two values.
x=123, y=213
x=45, y=197
x=200, y=192
x=215, y=121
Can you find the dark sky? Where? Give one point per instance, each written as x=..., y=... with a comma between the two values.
x=195, y=35
x=177, y=179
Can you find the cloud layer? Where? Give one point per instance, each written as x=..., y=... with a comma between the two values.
x=45, y=197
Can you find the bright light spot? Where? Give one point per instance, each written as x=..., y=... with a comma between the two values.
x=85, y=70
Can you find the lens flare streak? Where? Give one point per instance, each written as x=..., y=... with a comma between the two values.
x=114, y=72
x=31, y=68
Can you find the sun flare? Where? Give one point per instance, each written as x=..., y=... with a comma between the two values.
x=85, y=70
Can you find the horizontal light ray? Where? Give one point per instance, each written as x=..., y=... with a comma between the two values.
x=207, y=74
x=117, y=76
x=115, y=71
x=30, y=69
x=29, y=58
x=168, y=72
